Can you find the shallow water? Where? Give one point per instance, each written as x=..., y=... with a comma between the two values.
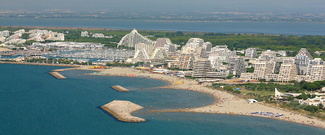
x=34, y=102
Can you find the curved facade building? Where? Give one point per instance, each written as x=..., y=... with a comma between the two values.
x=133, y=38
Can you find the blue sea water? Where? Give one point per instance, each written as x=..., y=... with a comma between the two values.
x=217, y=27
x=32, y=102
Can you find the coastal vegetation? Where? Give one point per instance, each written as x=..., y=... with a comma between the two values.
x=122, y=64
x=57, y=61
x=264, y=92
x=235, y=41
x=270, y=86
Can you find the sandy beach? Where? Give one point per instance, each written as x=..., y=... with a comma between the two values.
x=4, y=49
x=226, y=103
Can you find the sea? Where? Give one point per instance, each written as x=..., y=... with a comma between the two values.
x=282, y=28
x=32, y=102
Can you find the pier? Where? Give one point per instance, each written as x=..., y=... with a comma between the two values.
x=120, y=88
x=122, y=110
x=57, y=75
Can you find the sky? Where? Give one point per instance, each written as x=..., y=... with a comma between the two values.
x=301, y=6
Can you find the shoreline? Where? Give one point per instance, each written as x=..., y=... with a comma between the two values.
x=225, y=103
x=60, y=28
x=40, y=64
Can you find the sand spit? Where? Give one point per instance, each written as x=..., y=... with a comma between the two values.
x=122, y=110
x=120, y=88
x=57, y=75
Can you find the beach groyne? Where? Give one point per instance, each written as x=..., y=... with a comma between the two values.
x=122, y=110
x=57, y=75
x=120, y=88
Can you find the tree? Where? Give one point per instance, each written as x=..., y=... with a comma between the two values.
x=311, y=86
x=230, y=76
x=320, y=106
x=179, y=33
x=303, y=96
x=250, y=70
x=262, y=80
x=311, y=108
x=228, y=88
x=290, y=98
x=237, y=92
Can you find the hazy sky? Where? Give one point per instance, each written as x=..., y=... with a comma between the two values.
x=168, y=5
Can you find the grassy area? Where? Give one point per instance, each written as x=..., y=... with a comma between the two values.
x=262, y=93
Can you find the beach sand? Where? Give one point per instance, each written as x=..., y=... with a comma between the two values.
x=4, y=49
x=226, y=103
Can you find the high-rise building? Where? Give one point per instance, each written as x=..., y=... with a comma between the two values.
x=316, y=70
x=131, y=39
x=4, y=33
x=302, y=59
x=251, y=53
x=220, y=54
x=195, y=42
x=288, y=72
x=161, y=42
x=263, y=68
x=159, y=53
x=186, y=61
x=201, y=67
x=267, y=55
x=207, y=46
x=143, y=52
x=236, y=65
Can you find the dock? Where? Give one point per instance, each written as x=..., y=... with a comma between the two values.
x=122, y=110
x=57, y=75
x=120, y=88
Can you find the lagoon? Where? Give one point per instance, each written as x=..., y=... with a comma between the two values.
x=282, y=28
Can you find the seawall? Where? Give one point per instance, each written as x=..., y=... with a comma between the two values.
x=57, y=75
x=122, y=110
x=120, y=88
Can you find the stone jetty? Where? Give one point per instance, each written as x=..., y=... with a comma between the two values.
x=120, y=88
x=122, y=110
x=57, y=75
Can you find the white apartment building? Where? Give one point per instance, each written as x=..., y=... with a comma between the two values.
x=143, y=51
x=98, y=35
x=263, y=68
x=302, y=59
x=316, y=70
x=131, y=39
x=251, y=53
x=314, y=101
x=201, y=67
x=4, y=33
x=186, y=61
x=161, y=42
x=84, y=34
x=287, y=73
